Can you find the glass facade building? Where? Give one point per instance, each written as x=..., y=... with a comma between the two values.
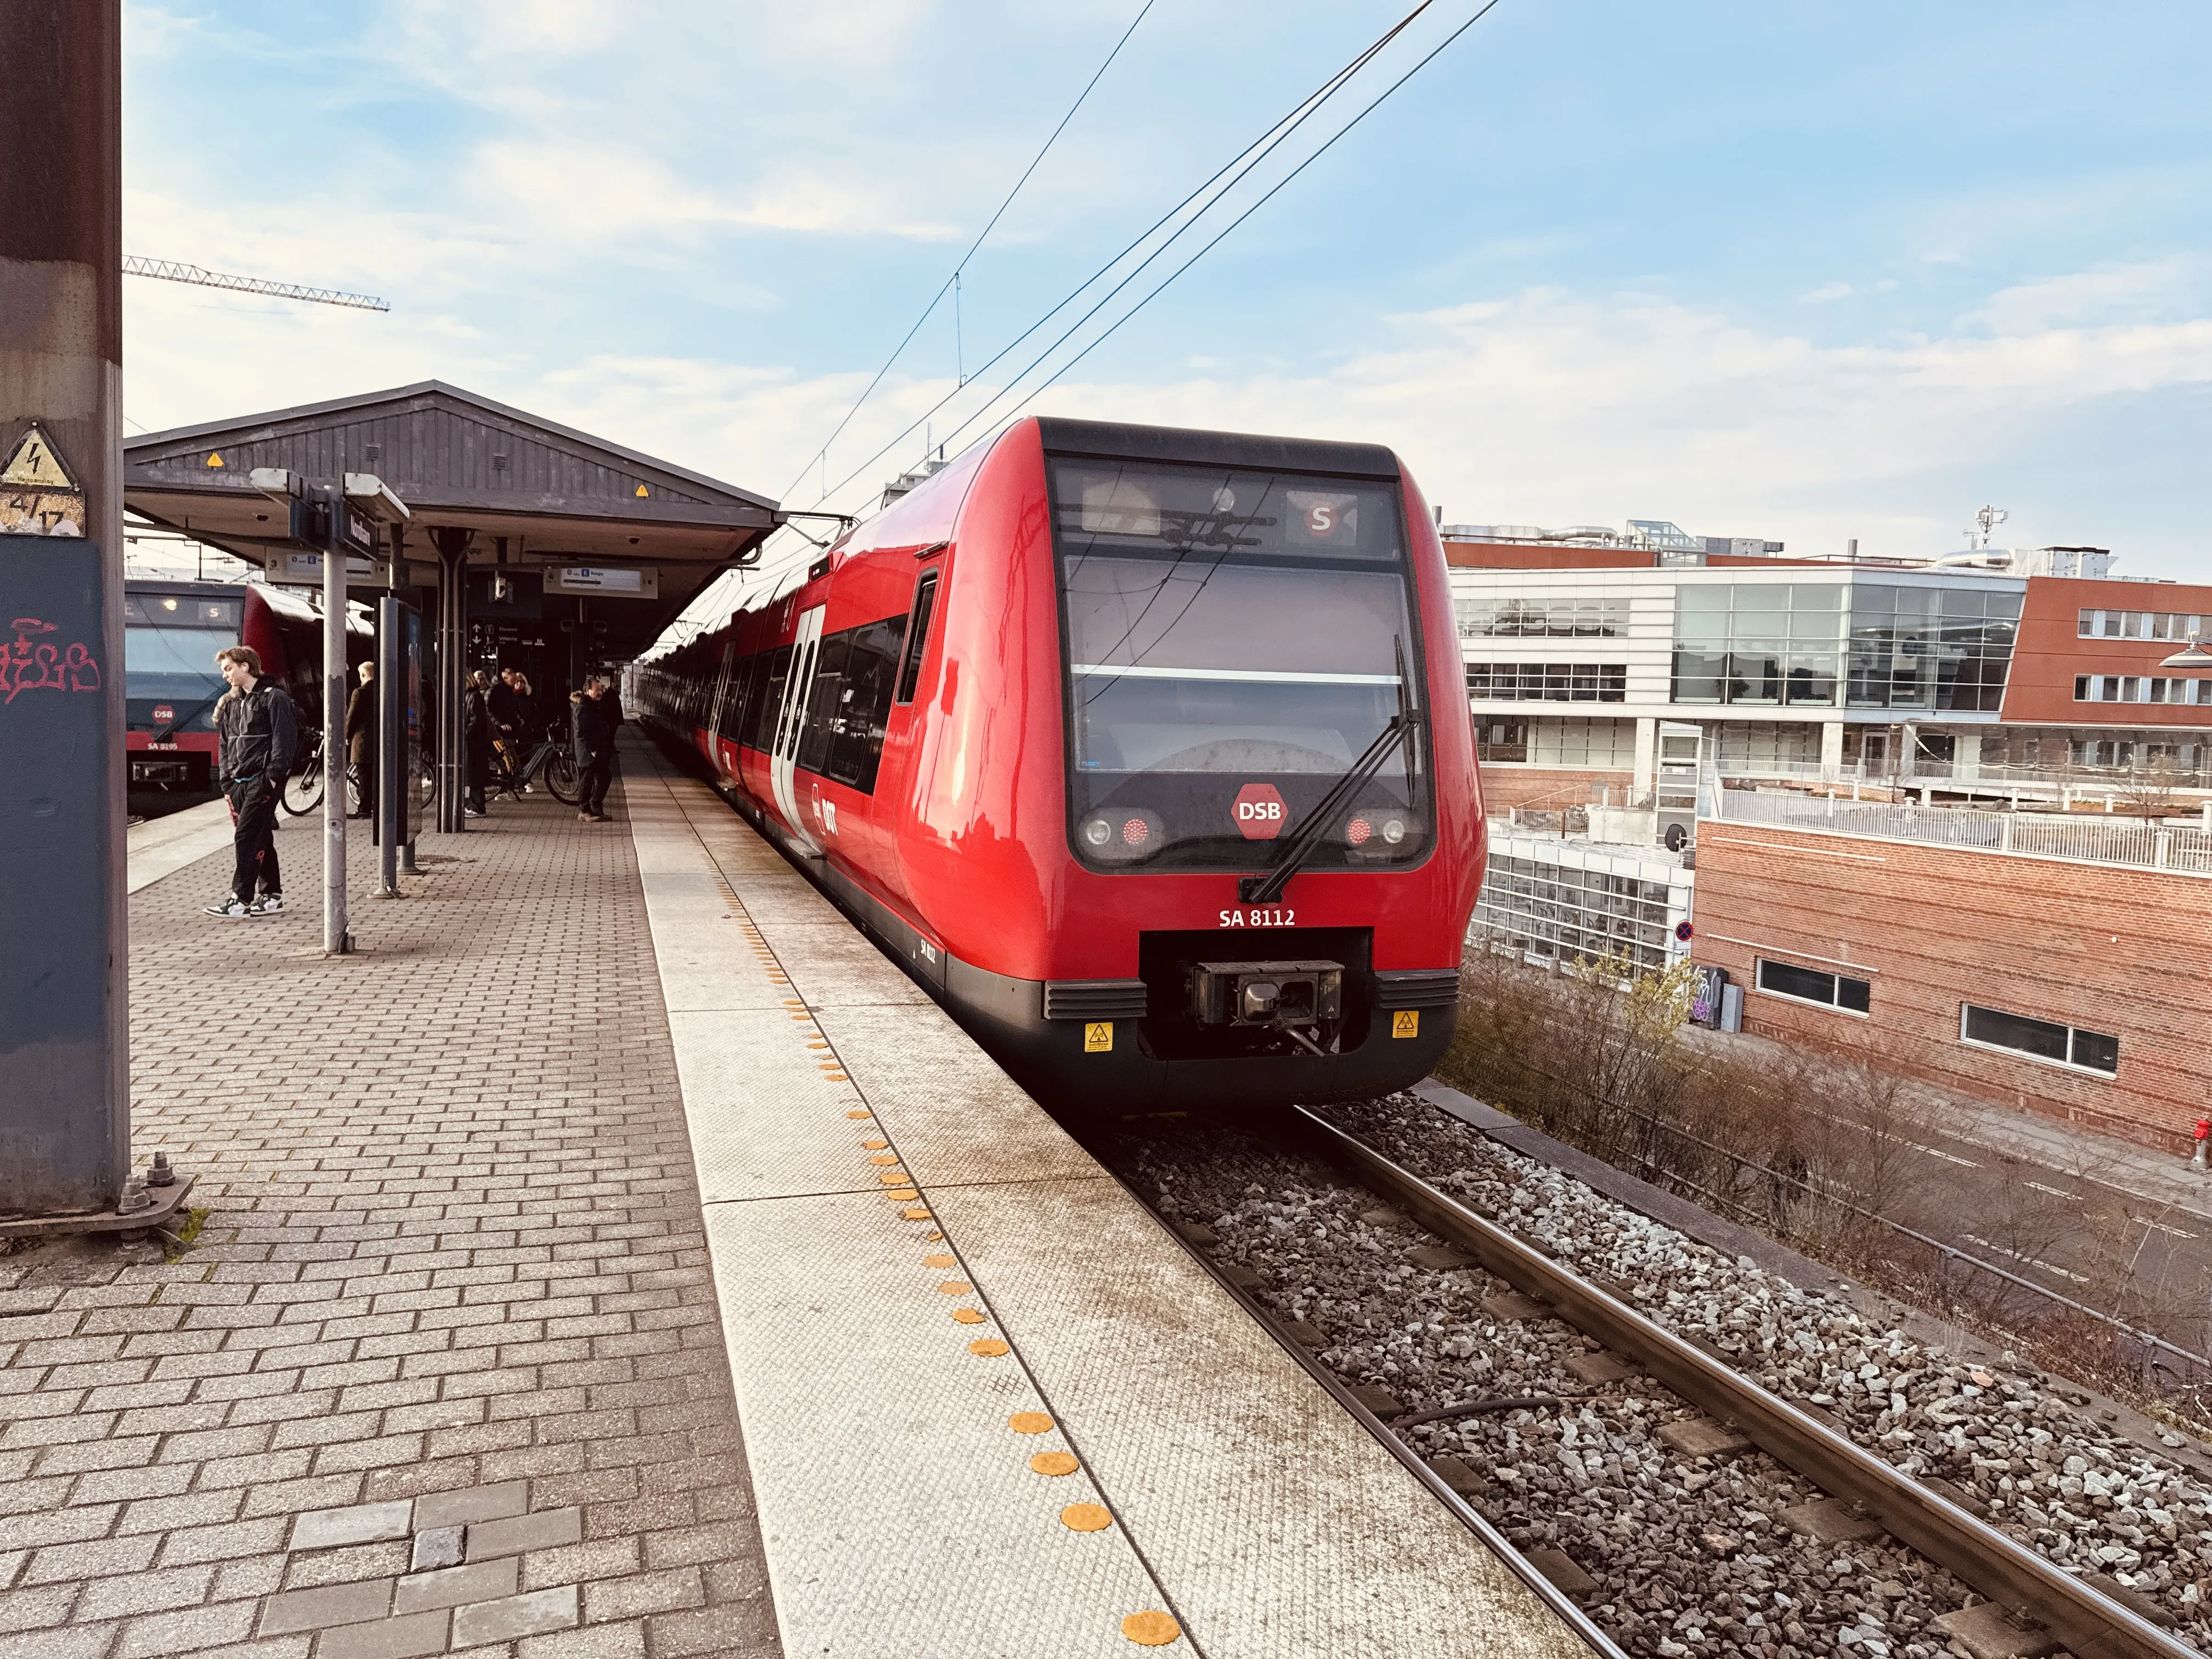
x=1855, y=645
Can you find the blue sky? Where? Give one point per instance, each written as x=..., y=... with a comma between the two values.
x=1807, y=271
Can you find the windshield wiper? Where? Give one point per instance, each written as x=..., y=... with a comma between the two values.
x=1306, y=837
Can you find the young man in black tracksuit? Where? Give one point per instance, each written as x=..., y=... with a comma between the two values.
x=594, y=746
x=257, y=737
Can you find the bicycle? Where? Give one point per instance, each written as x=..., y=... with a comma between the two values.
x=550, y=762
x=303, y=788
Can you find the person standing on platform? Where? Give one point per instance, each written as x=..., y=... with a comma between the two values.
x=505, y=703
x=475, y=736
x=595, y=748
x=360, y=740
x=258, y=735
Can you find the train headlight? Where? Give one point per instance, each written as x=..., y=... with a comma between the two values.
x=1359, y=832
x=1121, y=834
x=1394, y=831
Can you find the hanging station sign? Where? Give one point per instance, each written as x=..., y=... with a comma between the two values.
x=609, y=582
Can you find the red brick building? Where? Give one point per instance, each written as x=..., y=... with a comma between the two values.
x=2077, y=987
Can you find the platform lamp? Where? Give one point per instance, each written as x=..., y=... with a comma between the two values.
x=2192, y=655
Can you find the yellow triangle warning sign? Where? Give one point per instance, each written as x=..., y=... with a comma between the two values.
x=214, y=459
x=34, y=465
x=640, y=490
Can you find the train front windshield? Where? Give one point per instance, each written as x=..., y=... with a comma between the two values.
x=1236, y=641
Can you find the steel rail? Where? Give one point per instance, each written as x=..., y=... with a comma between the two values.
x=2017, y=1578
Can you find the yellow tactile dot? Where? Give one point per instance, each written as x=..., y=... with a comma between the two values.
x=874, y=1145
x=900, y=1194
x=1085, y=1517
x=956, y=1287
x=936, y=1261
x=1028, y=1422
x=882, y=1157
x=837, y=1077
x=931, y=1238
x=859, y=1114
x=1055, y=1464
x=1151, y=1628
x=895, y=1177
x=988, y=1348
x=918, y=1213
x=967, y=1316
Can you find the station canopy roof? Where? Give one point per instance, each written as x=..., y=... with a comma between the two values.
x=559, y=497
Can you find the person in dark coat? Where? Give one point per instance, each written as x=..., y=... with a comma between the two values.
x=257, y=738
x=595, y=748
x=360, y=739
x=475, y=736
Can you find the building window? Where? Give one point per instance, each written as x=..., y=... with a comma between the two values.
x=1541, y=616
x=1501, y=740
x=2040, y=1039
x=1547, y=682
x=1564, y=741
x=1784, y=979
x=1758, y=645
x=2135, y=688
x=2138, y=625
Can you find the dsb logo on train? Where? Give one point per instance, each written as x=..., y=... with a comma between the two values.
x=1258, y=812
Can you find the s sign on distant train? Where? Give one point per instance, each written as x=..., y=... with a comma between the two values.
x=1144, y=750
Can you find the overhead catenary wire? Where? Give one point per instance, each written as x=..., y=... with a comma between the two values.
x=951, y=283
x=1480, y=13
x=1241, y=165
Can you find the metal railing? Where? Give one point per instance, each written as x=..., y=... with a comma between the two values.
x=2092, y=839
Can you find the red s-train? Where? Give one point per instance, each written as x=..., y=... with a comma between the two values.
x=1144, y=750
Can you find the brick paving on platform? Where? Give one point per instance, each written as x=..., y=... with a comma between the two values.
x=442, y=1370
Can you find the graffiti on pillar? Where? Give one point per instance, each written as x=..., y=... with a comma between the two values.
x=35, y=663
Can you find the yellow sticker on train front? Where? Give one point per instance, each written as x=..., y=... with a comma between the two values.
x=1098, y=1036
x=1406, y=1023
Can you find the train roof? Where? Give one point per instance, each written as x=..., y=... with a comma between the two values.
x=1114, y=440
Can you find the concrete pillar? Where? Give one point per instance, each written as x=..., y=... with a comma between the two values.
x=65, y=965
x=1647, y=760
x=1831, y=750
x=452, y=547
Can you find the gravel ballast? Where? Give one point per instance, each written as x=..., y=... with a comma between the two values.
x=1691, y=1554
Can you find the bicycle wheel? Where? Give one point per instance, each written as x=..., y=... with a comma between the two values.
x=424, y=806
x=561, y=777
x=303, y=790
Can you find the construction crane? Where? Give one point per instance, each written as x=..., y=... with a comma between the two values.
x=170, y=271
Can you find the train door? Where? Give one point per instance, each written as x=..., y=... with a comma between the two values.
x=712, y=745
x=805, y=648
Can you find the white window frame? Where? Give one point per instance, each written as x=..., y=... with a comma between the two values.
x=2112, y=1076
x=1808, y=1002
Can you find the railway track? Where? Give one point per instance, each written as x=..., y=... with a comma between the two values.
x=2027, y=1605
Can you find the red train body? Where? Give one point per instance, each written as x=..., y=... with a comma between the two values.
x=1045, y=723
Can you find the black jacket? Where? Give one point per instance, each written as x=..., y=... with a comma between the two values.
x=505, y=705
x=476, y=721
x=595, y=738
x=361, y=724
x=256, y=732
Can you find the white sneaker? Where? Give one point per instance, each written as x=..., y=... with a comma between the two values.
x=231, y=911
x=269, y=904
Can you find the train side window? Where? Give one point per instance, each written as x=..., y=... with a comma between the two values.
x=917, y=634
x=770, y=705
x=733, y=702
x=871, y=664
x=824, y=702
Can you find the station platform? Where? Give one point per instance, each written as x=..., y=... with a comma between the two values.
x=991, y=1407
x=621, y=1257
